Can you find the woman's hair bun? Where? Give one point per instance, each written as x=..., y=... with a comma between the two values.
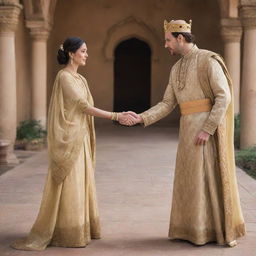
x=62, y=57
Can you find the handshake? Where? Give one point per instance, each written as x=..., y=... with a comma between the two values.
x=128, y=118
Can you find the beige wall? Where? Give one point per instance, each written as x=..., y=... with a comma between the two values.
x=93, y=20
x=23, y=70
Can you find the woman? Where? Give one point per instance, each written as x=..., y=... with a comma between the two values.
x=68, y=215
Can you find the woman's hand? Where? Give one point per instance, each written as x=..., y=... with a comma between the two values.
x=129, y=118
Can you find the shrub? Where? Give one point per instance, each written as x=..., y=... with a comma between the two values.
x=30, y=130
x=246, y=159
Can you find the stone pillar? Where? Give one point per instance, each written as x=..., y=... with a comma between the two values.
x=9, y=17
x=39, y=36
x=231, y=32
x=248, y=93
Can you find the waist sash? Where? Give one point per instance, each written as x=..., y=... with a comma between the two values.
x=195, y=106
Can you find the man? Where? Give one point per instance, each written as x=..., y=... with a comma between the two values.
x=205, y=205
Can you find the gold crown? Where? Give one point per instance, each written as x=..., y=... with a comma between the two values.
x=181, y=28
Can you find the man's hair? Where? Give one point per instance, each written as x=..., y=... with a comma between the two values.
x=189, y=38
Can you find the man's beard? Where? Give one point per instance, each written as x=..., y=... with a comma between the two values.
x=172, y=52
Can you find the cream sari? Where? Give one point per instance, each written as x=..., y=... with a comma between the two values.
x=68, y=214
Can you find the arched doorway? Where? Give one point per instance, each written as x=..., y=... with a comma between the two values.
x=132, y=73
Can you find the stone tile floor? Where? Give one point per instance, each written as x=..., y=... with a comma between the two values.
x=22, y=155
x=134, y=175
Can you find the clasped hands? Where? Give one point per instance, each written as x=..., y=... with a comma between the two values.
x=129, y=118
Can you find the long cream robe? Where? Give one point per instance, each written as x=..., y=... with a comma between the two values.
x=205, y=205
x=68, y=214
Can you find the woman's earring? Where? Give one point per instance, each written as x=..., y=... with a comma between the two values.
x=71, y=61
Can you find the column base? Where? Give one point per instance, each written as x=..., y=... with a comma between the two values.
x=12, y=159
x=7, y=156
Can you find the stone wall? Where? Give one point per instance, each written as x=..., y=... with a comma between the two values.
x=104, y=24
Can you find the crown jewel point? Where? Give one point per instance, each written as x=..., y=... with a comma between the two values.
x=180, y=28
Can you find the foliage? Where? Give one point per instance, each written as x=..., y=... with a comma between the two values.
x=237, y=131
x=30, y=130
x=246, y=159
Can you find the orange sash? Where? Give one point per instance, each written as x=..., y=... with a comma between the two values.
x=195, y=106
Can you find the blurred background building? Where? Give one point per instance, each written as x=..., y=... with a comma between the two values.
x=128, y=66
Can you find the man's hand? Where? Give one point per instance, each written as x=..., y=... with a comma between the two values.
x=202, y=138
x=129, y=118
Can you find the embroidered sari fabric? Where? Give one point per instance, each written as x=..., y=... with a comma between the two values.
x=68, y=215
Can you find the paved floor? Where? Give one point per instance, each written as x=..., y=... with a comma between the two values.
x=22, y=155
x=135, y=168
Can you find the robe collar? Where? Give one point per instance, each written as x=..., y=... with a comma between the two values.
x=191, y=51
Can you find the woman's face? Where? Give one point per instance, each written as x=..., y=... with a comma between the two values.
x=80, y=56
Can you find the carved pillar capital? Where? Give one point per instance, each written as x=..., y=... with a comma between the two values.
x=231, y=29
x=9, y=2
x=40, y=34
x=39, y=30
x=9, y=16
x=247, y=12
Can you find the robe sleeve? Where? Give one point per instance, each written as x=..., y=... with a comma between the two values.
x=222, y=96
x=70, y=93
x=162, y=109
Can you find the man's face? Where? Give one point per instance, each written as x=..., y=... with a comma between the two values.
x=171, y=43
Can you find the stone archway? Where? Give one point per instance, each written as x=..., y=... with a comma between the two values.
x=129, y=28
x=132, y=76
